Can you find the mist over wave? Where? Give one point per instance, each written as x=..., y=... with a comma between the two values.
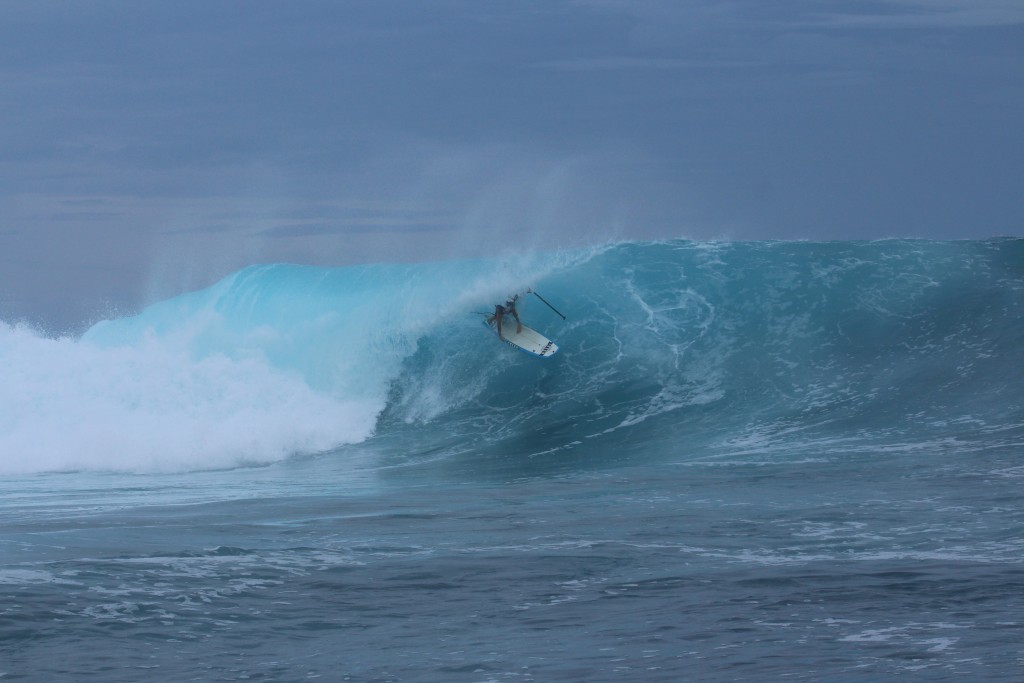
x=671, y=349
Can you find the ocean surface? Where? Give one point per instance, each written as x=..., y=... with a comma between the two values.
x=749, y=461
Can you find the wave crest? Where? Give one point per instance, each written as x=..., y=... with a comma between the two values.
x=711, y=347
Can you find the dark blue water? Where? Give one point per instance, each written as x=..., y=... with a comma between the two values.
x=748, y=462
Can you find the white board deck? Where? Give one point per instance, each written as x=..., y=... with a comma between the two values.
x=529, y=340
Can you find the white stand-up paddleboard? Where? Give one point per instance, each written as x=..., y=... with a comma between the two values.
x=529, y=340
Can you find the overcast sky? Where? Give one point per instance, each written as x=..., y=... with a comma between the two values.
x=149, y=148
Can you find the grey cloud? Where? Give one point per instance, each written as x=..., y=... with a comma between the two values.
x=322, y=229
x=602, y=63
x=190, y=137
x=922, y=14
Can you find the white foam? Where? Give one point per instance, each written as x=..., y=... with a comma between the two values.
x=28, y=576
x=69, y=405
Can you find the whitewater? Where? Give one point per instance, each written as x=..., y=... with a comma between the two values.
x=749, y=461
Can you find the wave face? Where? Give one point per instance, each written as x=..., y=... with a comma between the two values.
x=671, y=350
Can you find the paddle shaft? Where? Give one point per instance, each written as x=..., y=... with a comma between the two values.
x=548, y=305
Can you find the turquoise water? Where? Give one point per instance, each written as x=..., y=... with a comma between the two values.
x=748, y=461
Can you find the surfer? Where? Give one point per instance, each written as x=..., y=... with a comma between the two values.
x=501, y=311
